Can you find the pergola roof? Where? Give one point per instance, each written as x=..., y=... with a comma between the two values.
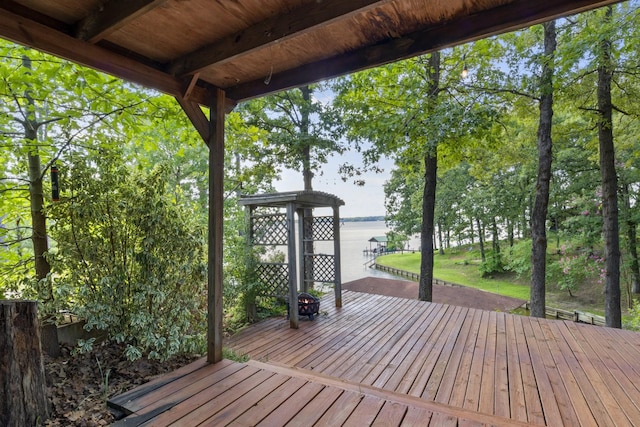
x=303, y=199
x=250, y=48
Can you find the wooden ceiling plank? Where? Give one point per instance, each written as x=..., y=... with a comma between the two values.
x=111, y=16
x=273, y=30
x=509, y=17
x=24, y=31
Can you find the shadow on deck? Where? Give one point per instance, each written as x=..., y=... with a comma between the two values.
x=391, y=361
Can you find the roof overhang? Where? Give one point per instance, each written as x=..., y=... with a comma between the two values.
x=251, y=48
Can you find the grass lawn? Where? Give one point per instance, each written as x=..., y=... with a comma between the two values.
x=453, y=268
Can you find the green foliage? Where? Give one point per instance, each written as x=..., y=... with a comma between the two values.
x=633, y=319
x=518, y=259
x=574, y=268
x=493, y=264
x=129, y=259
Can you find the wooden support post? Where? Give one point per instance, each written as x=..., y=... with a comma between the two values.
x=302, y=276
x=336, y=256
x=216, y=219
x=23, y=398
x=291, y=255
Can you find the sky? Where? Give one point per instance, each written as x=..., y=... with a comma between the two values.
x=367, y=200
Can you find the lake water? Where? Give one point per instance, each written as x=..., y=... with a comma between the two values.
x=354, y=239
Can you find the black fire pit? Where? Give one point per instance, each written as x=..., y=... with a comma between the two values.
x=308, y=305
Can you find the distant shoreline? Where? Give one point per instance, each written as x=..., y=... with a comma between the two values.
x=362, y=219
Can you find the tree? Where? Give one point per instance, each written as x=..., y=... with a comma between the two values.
x=410, y=110
x=539, y=215
x=611, y=234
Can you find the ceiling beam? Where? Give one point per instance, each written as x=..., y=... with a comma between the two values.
x=273, y=30
x=25, y=31
x=509, y=17
x=197, y=117
x=111, y=16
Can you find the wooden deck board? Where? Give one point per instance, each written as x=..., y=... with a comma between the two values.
x=390, y=361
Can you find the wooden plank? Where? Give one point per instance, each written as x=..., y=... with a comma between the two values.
x=609, y=359
x=533, y=401
x=469, y=27
x=282, y=340
x=428, y=381
x=355, y=349
x=314, y=410
x=183, y=387
x=517, y=401
x=248, y=400
x=365, y=412
x=274, y=30
x=120, y=402
x=369, y=356
x=174, y=404
x=461, y=380
x=387, y=395
x=487, y=393
x=472, y=395
x=416, y=417
x=443, y=420
x=604, y=397
x=391, y=414
x=211, y=400
x=545, y=388
x=397, y=362
x=267, y=405
x=342, y=408
x=322, y=345
x=30, y=33
x=501, y=371
x=452, y=367
x=579, y=412
x=288, y=409
x=421, y=368
x=111, y=16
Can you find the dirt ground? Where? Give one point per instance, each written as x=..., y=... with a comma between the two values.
x=454, y=295
x=78, y=385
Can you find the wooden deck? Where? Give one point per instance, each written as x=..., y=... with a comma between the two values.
x=392, y=361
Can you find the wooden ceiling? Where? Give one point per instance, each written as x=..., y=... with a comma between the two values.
x=250, y=48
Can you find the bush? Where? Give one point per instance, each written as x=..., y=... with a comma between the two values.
x=493, y=264
x=130, y=259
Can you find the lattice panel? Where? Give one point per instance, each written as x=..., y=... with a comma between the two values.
x=269, y=229
x=323, y=268
x=274, y=278
x=319, y=227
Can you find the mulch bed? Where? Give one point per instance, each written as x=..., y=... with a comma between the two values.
x=78, y=385
x=454, y=295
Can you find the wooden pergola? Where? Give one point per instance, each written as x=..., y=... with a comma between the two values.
x=216, y=53
x=302, y=266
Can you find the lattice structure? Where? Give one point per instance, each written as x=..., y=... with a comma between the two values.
x=269, y=229
x=323, y=268
x=275, y=279
x=319, y=228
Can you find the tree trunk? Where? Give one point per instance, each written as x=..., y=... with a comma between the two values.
x=36, y=195
x=632, y=247
x=23, y=398
x=495, y=241
x=307, y=175
x=425, y=292
x=440, y=240
x=612, y=308
x=425, y=289
x=539, y=215
x=510, y=232
x=483, y=255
